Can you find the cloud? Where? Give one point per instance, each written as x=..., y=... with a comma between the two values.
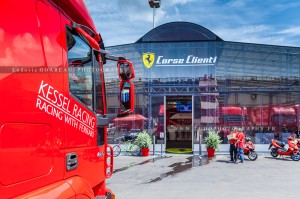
x=283, y=6
x=134, y=11
x=260, y=34
x=174, y=2
x=123, y=22
x=47, y=45
x=239, y=33
x=295, y=31
x=171, y=3
x=236, y=4
x=178, y=17
x=25, y=42
x=8, y=59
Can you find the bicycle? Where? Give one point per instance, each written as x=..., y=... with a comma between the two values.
x=130, y=148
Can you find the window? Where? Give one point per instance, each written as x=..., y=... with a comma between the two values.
x=284, y=118
x=231, y=118
x=99, y=108
x=85, y=76
x=80, y=69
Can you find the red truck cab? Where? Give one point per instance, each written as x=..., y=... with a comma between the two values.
x=283, y=117
x=233, y=116
x=53, y=140
x=273, y=118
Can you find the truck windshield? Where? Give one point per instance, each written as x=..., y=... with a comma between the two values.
x=231, y=118
x=284, y=118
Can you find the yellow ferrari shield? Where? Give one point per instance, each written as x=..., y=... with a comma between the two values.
x=148, y=59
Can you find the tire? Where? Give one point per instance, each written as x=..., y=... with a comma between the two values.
x=295, y=157
x=134, y=150
x=274, y=153
x=117, y=150
x=252, y=155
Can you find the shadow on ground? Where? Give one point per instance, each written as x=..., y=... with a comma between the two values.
x=180, y=167
x=280, y=158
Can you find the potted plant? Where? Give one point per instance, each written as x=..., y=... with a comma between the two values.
x=143, y=140
x=212, y=141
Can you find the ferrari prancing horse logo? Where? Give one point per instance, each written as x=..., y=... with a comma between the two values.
x=148, y=59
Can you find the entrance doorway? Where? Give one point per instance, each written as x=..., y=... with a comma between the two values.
x=179, y=124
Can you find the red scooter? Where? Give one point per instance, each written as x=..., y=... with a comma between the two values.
x=277, y=148
x=249, y=149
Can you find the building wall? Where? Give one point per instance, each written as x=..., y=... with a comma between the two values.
x=249, y=76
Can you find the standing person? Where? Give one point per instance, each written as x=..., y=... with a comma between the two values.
x=297, y=133
x=240, y=145
x=232, y=147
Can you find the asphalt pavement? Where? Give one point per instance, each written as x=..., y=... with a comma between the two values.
x=185, y=176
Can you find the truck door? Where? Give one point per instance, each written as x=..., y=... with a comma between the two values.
x=85, y=86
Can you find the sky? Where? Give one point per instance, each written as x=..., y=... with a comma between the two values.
x=274, y=22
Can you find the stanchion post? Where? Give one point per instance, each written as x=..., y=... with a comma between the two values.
x=153, y=141
x=200, y=150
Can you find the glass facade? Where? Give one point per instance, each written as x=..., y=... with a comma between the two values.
x=183, y=89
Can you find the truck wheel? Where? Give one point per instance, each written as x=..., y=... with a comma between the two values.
x=274, y=153
x=252, y=155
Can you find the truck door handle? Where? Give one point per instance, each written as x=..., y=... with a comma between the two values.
x=71, y=161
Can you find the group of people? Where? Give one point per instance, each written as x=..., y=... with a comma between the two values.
x=236, y=141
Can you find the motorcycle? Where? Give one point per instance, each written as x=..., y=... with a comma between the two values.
x=277, y=148
x=249, y=149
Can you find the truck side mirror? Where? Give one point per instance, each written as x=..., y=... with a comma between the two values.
x=126, y=97
x=102, y=120
x=125, y=70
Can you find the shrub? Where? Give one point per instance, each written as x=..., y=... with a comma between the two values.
x=212, y=140
x=143, y=140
